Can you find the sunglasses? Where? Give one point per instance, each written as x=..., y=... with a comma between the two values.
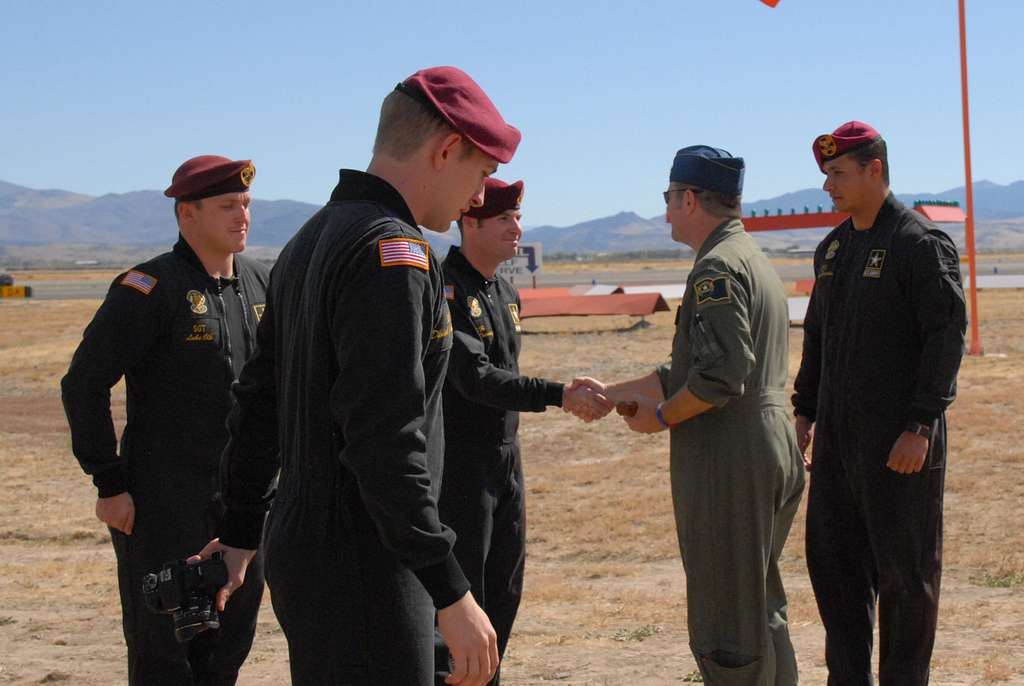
x=668, y=193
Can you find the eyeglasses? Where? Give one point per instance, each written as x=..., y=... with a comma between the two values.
x=670, y=191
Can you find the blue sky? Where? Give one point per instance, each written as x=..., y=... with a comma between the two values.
x=101, y=97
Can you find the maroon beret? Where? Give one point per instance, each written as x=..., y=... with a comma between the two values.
x=847, y=138
x=209, y=175
x=464, y=105
x=498, y=197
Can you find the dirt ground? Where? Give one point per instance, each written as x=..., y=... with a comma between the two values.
x=605, y=599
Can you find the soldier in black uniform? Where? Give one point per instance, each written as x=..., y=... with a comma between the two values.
x=883, y=340
x=482, y=494
x=344, y=396
x=179, y=329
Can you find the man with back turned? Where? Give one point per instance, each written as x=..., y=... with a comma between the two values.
x=344, y=396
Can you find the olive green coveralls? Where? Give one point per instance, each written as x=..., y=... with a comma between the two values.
x=737, y=475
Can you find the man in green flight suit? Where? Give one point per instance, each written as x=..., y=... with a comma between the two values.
x=737, y=475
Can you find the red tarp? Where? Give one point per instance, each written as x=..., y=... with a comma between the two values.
x=532, y=293
x=942, y=213
x=635, y=305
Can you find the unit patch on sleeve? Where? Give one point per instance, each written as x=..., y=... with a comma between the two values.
x=407, y=252
x=713, y=290
x=873, y=268
x=143, y=283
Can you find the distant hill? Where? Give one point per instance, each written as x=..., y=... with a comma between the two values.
x=34, y=217
x=999, y=212
x=31, y=217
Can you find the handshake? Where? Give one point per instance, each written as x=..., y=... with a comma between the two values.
x=589, y=399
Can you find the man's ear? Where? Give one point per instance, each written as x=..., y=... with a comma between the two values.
x=444, y=149
x=875, y=168
x=186, y=211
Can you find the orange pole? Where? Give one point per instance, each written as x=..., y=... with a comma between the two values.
x=975, y=347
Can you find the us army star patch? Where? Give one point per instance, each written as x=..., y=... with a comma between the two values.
x=713, y=290
x=873, y=268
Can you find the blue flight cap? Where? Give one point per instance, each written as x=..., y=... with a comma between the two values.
x=711, y=168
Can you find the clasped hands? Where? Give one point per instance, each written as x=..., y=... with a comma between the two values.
x=589, y=399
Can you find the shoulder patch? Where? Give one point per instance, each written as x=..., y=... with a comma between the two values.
x=449, y=292
x=143, y=283
x=714, y=289
x=408, y=252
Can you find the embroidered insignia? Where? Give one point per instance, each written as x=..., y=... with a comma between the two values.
x=873, y=268
x=474, y=306
x=197, y=301
x=257, y=309
x=513, y=309
x=143, y=283
x=395, y=252
x=713, y=290
x=446, y=326
x=247, y=175
x=449, y=292
x=201, y=333
x=833, y=248
x=827, y=145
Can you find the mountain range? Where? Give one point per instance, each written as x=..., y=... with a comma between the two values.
x=36, y=218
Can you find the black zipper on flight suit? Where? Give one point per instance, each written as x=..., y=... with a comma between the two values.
x=226, y=327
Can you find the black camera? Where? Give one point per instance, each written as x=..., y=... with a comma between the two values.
x=187, y=593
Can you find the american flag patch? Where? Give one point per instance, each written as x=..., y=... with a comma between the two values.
x=144, y=283
x=449, y=292
x=404, y=251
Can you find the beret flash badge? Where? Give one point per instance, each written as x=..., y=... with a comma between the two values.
x=712, y=290
x=827, y=145
x=873, y=268
x=474, y=306
x=197, y=301
x=247, y=174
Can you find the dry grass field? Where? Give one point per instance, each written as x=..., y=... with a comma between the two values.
x=605, y=595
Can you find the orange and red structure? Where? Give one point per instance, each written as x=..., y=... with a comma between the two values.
x=975, y=344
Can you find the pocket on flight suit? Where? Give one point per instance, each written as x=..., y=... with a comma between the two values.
x=705, y=350
x=717, y=673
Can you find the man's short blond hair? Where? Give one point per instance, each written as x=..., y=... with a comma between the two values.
x=405, y=125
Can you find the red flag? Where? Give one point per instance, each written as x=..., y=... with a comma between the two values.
x=770, y=3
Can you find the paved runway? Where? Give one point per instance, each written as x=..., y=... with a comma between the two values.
x=988, y=265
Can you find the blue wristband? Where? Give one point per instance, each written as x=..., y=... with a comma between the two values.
x=661, y=417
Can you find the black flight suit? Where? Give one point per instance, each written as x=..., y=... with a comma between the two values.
x=179, y=346
x=883, y=340
x=482, y=494
x=344, y=395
